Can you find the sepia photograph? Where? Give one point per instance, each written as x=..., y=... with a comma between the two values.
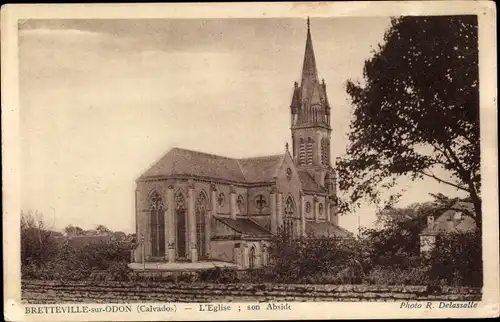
x=260, y=160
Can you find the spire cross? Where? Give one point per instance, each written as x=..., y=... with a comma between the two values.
x=308, y=24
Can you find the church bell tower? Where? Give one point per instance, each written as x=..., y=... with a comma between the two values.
x=310, y=122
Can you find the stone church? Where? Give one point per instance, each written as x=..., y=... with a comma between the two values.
x=193, y=206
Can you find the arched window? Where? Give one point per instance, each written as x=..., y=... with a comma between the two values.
x=251, y=258
x=241, y=203
x=327, y=152
x=201, y=213
x=157, y=224
x=323, y=151
x=220, y=199
x=289, y=218
x=327, y=184
x=180, y=221
x=302, y=152
x=309, y=151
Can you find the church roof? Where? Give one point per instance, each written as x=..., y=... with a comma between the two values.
x=244, y=226
x=187, y=162
x=326, y=228
x=261, y=169
x=308, y=182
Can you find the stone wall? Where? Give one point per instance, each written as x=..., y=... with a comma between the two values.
x=127, y=292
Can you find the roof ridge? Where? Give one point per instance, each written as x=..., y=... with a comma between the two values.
x=261, y=157
x=204, y=153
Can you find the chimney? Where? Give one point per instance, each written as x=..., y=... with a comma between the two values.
x=430, y=222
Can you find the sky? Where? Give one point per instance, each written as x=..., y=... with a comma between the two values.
x=102, y=100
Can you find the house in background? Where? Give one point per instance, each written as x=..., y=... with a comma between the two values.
x=453, y=220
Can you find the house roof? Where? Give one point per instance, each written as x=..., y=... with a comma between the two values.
x=244, y=226
x=308, y=182
x=78, y=241
x=447, y=222
x=326, y=229
x=187, y=162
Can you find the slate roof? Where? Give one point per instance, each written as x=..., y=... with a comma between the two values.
x=187, y=162
x=308, y=182
x=244, y=226
x=247, y=170
x=447, y=223
x=326, y=229
x=261, y=169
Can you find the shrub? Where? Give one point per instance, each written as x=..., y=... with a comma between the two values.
x=119, y=271
x=59, y=271
x=396, y=276
x=152, y=277
x=457, y=259
x=98, y=256
x=259, y=275
x=293, y=260
x=346, y=275
x=218, y=275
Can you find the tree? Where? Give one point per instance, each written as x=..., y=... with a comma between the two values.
x=102, y=230
x=457, y=259
x=71, y=230
x=119, y=236
x=417, y=112
x=38, y=243
x=395, y=239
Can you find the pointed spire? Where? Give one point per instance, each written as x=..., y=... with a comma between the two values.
x=309, y=71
